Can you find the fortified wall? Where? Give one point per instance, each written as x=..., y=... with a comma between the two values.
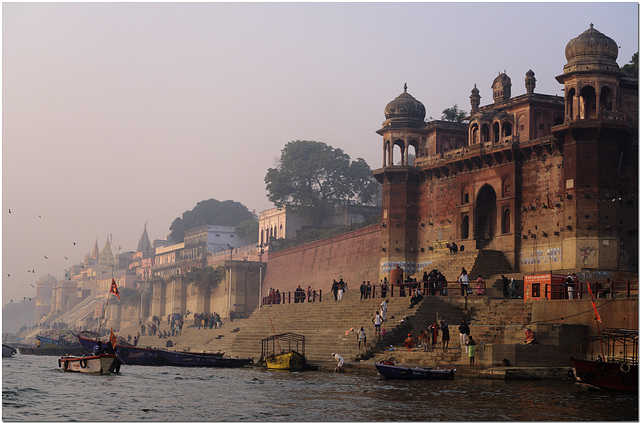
x=353, y=256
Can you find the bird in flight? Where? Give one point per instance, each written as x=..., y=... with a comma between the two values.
x=32, y=286
x=8, y=275
x=46, y=257
x=9, y=210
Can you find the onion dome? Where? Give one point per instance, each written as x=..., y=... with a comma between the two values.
x=404, y=111
x=46, y=280
x=591, y=50
x=501, y=88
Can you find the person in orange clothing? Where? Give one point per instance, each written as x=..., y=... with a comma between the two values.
x=433, y=329
x=409, y=342
x=424, y=338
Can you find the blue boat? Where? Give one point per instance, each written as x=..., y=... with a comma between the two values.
x=138, y=356
x=389, y=370
x=133, y=356
x=192, y=359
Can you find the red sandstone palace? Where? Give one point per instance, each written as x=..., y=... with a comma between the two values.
x=550, y=182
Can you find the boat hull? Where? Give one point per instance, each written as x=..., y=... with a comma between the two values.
x=56, y=351
x=138, y=356
x=8, y=351
x=291, y=361
x=617, y=376
x=191, y=359
x=100, y=364
x=400, y=372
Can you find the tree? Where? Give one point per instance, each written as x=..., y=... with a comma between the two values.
x=311, y=177
x=205, y=278
x=632, y=66
x=209, y=212
x=248, y=230
x=453, y=114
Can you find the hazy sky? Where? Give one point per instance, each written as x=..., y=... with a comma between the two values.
x=117, y=114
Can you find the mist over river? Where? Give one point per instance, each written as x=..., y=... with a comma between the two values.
x=35, y=389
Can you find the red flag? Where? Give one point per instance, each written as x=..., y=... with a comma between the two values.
x=593, y=303
x=114, y=288
x=113, y=339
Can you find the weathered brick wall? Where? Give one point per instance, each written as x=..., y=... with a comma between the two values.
x=354, y=256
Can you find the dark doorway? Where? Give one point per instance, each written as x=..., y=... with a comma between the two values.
x=485, y=213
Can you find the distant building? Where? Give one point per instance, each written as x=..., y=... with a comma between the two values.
x=278, y=222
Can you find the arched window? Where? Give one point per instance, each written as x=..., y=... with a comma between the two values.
x=506, y=187
x=588, y=102
x=412, y=152
x=570, y=98
x=474, y=134
x=464, y=230
x=605, y=99
x=465, y=194
x=496, y=133
x=507, y=130
x=506, y=221
x=484, y=135
x=398, y=153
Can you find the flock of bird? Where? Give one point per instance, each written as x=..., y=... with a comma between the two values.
x=34, y=271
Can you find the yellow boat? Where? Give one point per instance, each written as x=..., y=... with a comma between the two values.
x=284, y=351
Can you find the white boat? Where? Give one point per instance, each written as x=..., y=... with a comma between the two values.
x=8, y=351
x=101, y=364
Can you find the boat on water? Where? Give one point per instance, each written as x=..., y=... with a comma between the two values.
x=283, y=351
x=100, y=364
x=390, y=370
x=8, y=351
x=140, y=356
x=608, y=360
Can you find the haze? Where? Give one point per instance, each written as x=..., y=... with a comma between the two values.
x=117, y=114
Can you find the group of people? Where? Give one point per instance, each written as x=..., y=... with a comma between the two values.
x=509, y=287
x=429, y=338
x=365, y=290
x=207, y=320
x=465, y=286
x=338, y=289
x=299, y=296
x=274, y=297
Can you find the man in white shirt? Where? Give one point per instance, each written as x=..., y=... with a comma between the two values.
x=340, y=361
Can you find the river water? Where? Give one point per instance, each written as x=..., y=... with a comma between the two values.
x=35, y=389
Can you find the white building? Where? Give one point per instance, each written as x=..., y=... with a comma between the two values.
x=277, y=223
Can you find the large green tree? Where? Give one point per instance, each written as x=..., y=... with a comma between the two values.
x=209, y=212
x=453, y=114
x=311, y=177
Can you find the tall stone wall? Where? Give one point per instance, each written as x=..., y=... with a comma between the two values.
x=354, y=256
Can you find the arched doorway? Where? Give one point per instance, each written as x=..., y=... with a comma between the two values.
x=485, y=216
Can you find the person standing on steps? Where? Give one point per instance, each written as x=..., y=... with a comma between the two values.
x=363, y=290
x=334, y=289
x=471, y=345
x=377, y=322
x=433, y=329
x=505, y=286
x=464, y=332
x=362, y=340
x=341, y=288
x=383, y=309
x=464, y=282
x=445, y=334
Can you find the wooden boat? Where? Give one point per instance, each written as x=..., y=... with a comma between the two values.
x=139, y=356
x=608, y=360
x=8, y=351
x=283, y=352
x=192, y=359
x=389, y=370
x=101, y=364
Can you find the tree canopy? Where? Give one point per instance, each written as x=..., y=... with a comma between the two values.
x=311, y=177
x=453, y=114
x=205, y=278
x=632, y=66
x=210, y=212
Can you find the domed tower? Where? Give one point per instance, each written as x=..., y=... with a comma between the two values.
x=501, y=88
x=599, y=141
x=591, y=76
x=404, y=128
